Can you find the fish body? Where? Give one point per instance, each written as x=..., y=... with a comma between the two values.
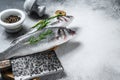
x=23, y=47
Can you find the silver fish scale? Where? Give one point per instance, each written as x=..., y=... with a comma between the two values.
x=36, y=65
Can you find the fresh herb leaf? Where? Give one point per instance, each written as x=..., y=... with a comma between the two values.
x=42, y=36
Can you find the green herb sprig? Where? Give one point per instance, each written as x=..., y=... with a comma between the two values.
x=43, y=23
x=42, y=36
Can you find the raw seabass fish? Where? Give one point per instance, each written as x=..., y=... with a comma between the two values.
x=23, y=47
x=61, y=21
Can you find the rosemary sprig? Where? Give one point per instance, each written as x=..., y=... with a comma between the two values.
x=42, y=36
x=43, y=23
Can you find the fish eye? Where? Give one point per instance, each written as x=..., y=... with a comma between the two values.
x=71, y=31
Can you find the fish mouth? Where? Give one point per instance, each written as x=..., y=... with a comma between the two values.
x=71, y=17
x=72, y=32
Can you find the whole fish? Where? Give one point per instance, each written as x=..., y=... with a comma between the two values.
x=23, y=47
x=60, y=21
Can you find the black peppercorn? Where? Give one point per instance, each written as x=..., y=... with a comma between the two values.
x=12, y=19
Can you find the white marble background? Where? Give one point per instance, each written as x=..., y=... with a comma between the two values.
x=95, y=52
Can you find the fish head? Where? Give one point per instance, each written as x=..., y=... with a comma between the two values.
x=69, y=17
x=64, y=34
